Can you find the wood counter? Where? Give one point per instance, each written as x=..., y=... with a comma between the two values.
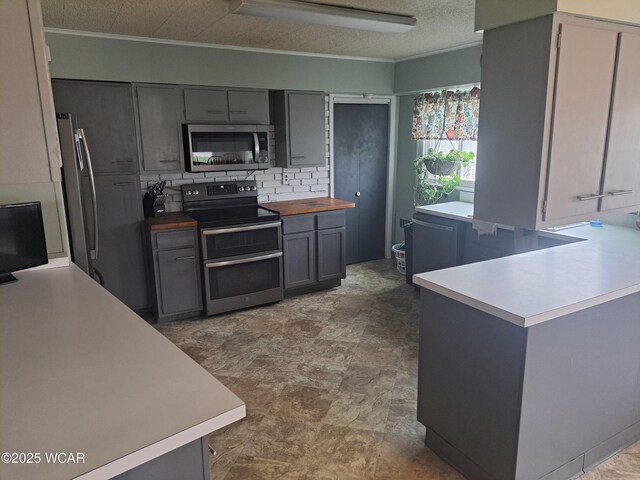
x=170, y=221
x=307, y=205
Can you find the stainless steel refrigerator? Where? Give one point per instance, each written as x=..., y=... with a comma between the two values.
x=104, y=215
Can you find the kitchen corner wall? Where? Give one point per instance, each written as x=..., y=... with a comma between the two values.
x=306, y=182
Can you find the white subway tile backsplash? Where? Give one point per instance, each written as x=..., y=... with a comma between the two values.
x=270, y=183
x=320, y=188
x=263, y=176
x=149, y=177
x=284, y=189
x=302, y=175
x=295, y=182
x=308, y=169
x=193, y=175
x=323, y=181
x=266, y=191
x=323, y=174
x=301, y=188
x=309, y=181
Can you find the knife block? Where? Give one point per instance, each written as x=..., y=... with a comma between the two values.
x=153, y=205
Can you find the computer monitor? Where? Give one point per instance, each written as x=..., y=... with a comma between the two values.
x=22, y=241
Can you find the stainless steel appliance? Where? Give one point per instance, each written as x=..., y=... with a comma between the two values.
x=226, y=147
x=80, y=196
x=241, y=245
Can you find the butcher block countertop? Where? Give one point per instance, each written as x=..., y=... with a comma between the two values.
x=307, y=205
x=170, y=221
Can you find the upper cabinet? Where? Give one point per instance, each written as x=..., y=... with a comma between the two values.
x=105, y=111
x=559, y=140
x=159, y=127
x=299, y=119
x=215, y=105
x=28, y=134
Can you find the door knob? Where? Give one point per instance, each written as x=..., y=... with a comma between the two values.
x=357, y=194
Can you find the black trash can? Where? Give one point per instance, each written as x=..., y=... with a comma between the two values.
x=408, y=251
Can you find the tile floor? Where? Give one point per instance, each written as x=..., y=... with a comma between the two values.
x=329, y=380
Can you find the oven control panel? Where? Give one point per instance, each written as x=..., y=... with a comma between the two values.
x=208, y=191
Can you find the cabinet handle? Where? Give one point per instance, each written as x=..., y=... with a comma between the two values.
x=297, y=156
x=190, y=257
x=122, y=161
x=242, y=260
x=215, y=111
x=168, y=161
x=592, y=196
x=123, y=184
x=358, y=194
x=434, y=226
x=613, y=193
x=211, y=450
x=238, y=111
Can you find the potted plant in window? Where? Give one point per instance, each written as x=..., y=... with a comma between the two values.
x=445, y=174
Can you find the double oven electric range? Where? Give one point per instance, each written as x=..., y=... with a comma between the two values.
x=240, y=242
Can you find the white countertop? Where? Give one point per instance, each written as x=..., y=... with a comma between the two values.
x=453, y=210
x=80, y=372
x=537, y=286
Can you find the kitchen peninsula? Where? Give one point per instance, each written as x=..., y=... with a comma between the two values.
x=529, y=364
x=80, y=373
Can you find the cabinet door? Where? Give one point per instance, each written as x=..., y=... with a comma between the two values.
x=28, y=134
x=178, y=277
x=584, y=79
x=299, y=251
x=331, y=254
x=105, y=112
x=248, y=106
x=120, y=251
x=622, y=169
x=435, y=244
x=159, y=126
x=306, y=129
x=205, y=105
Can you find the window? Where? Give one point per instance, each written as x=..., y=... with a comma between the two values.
x=468, y=173
x=446, y=120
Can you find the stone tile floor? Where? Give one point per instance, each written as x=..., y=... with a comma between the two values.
x=330, y=383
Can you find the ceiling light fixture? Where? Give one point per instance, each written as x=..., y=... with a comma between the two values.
x=320, y=14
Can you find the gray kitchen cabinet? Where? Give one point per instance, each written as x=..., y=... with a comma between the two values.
x=218, y=105
x=248, y=106
x=314, y=247
x=331, y=254
x=175, y=272
x=546, y=155
x=120, y=259
x=205, y=105
x=159, y=127
x=28, y=134
x=299, y=119
x=105, y=111
x=300, y=250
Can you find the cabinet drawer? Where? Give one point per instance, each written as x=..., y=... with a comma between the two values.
x=175, y=239
x=298, y=223
x=330, y=220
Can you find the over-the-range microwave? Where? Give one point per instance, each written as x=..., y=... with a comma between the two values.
x=226, y=147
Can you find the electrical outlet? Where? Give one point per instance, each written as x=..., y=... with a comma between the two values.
x=285, y=178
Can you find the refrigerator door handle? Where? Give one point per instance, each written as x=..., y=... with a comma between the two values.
x=79, y=154
x=85, y=150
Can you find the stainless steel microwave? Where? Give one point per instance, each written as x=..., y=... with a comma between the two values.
x=226, y=147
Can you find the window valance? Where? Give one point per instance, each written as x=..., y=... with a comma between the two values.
x=446, y=115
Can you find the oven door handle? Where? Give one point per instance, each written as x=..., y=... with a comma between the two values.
x=220, y=231
x=242, y=260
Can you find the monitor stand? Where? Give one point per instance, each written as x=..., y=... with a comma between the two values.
x=7, y=278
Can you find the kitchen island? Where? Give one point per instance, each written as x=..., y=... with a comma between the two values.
x=81, y=374
x=529, y=364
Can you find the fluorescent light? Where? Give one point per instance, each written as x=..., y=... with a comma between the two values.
x=319, y=14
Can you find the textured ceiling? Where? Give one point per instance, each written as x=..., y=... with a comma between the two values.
x=442, y=24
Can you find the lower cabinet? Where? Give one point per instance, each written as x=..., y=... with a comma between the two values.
x=176, y=273
x=314, y=251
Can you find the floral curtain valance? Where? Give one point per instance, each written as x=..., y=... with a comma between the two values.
x=446, y=115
